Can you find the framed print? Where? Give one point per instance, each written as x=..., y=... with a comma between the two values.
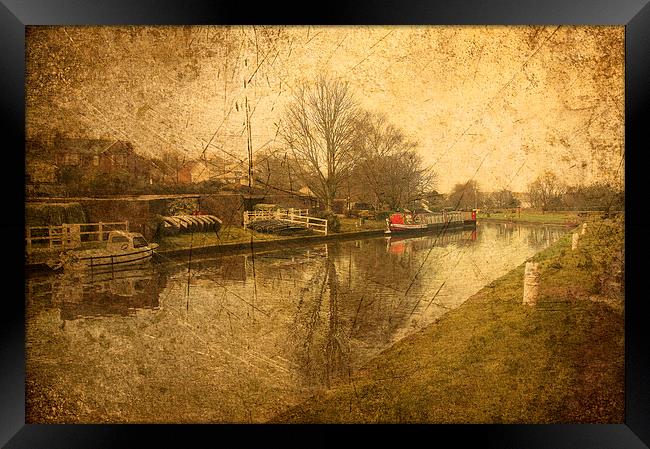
x=420, y=214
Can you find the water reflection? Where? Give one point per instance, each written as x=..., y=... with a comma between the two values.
x=241, y=337
x=79, y=295
x=400, y=244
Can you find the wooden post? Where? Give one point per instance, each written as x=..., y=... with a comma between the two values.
x=75, y=235
x=574, y=241
x=531, y=283
x=101, y=232
x=65, y=236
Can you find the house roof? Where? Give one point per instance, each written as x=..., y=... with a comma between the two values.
x=306, y=191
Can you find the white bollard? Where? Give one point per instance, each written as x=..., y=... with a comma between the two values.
x=574, y=241
x=584, y=228
x=531, y=283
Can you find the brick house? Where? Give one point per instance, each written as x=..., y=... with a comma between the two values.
x=197, y=171
x=91, y=159
x=215, y=169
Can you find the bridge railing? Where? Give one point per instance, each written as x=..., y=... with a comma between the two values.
x=294, y=216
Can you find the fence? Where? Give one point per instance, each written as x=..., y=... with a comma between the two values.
x=69, y=236
x=294, y=216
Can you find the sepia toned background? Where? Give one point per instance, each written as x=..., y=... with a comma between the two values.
x=501, y=103
x=519, y=127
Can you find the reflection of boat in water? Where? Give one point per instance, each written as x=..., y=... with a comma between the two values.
x=122, y=249
x=82, y=294
x=399, y=244
x=125, y=282
x=121, y=292
x=411, y=222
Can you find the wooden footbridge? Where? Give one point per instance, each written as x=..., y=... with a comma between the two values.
x=284, y=221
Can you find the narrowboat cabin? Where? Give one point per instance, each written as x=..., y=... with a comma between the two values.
x=409, y=221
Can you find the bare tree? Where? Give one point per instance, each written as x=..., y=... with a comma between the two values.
x=546, y=191
x=277, y=170
x=320, y=129
x=466, y=195
x=503, y=198
x=388, y=166
x=596, y=196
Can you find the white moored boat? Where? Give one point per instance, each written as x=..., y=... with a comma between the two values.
x=122, y=249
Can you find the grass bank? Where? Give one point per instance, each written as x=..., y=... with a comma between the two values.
x=568, y=218
x=494, y=360
x=237, y=234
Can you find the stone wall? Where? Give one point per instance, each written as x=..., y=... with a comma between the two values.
x=53, y=214
x=142, y=212
x=139, y=213
x=228, y=208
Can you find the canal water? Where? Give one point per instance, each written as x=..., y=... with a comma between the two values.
x=240, y=338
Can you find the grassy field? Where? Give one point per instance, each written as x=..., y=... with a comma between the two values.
x=228, y=234
x=237, y=234
x=353, y=225
x=530, y=216
x=494, y=360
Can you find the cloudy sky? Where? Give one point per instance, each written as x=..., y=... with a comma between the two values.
x=497, y=104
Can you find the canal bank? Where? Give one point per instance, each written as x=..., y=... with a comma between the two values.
x=547, y=218
x=284, y=242
x=529, y=223
x=494, y=360
x=238, y=247
x=242, y=338
x=209, y=243
x=270, y=244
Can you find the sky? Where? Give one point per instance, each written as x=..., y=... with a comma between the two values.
x=497, y=104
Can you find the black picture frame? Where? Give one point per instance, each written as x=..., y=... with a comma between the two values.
x=16, y=14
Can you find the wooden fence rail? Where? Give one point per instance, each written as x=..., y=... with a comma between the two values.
x=69, y=236
x=294, y=216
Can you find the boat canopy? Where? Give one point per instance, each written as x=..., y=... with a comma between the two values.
x=397, y=218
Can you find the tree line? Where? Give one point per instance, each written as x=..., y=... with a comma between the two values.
x=547, y=192
x=336, y=149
